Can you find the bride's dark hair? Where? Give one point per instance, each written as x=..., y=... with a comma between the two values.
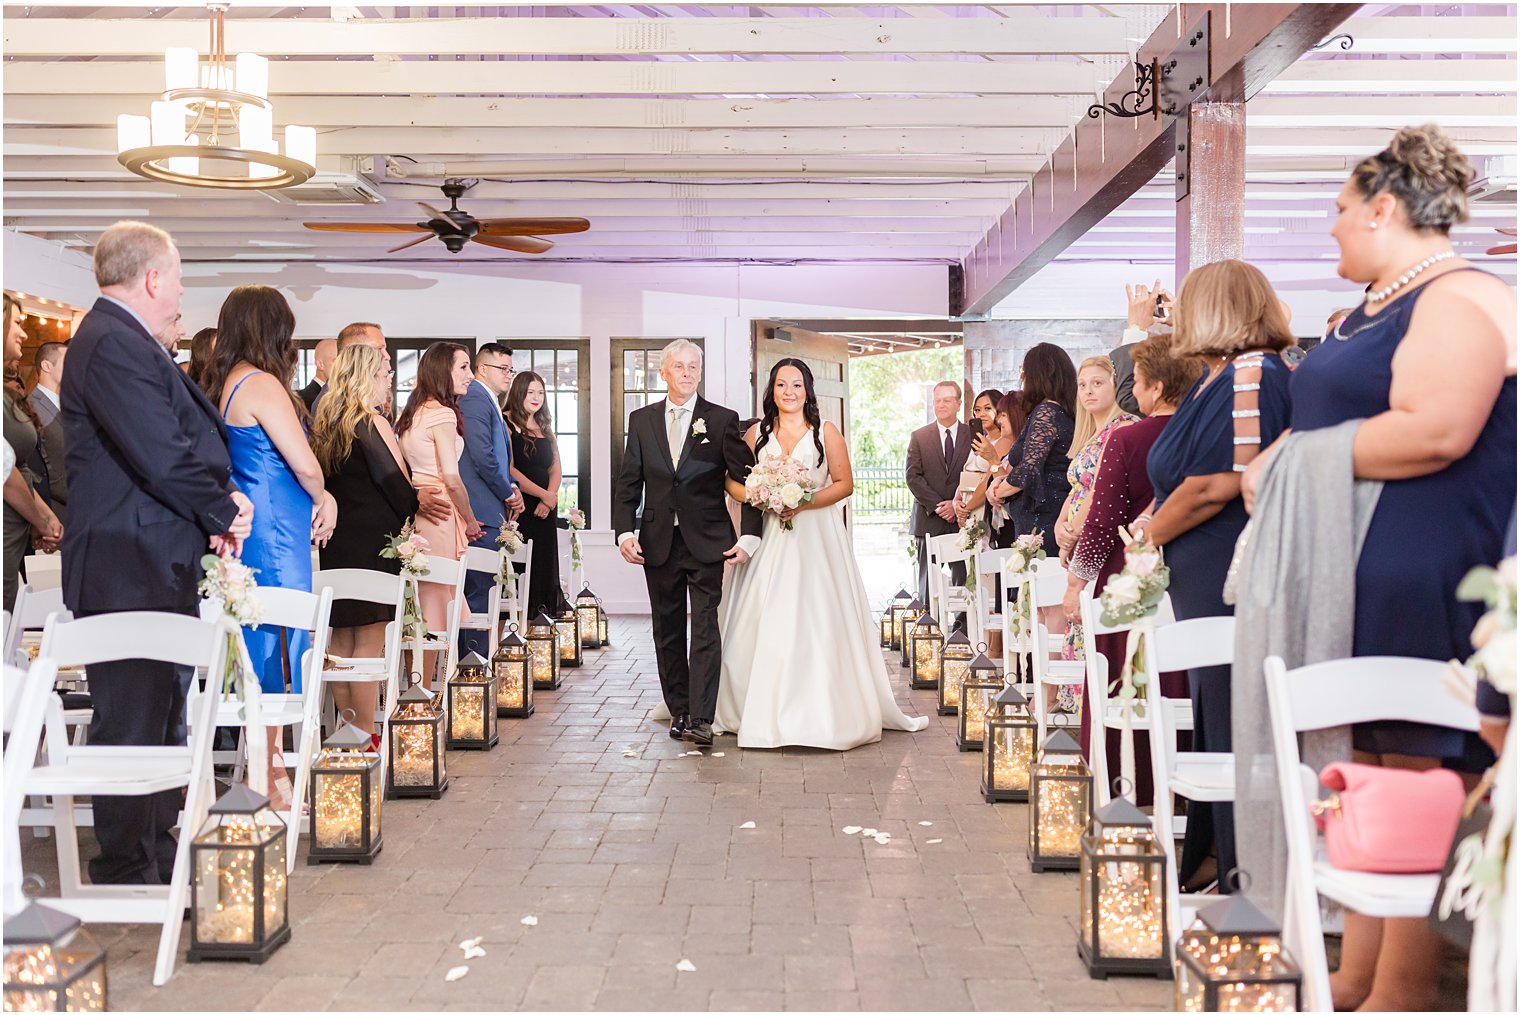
x=769, y=412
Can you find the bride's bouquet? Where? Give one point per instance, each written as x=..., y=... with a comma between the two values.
x=778, y=484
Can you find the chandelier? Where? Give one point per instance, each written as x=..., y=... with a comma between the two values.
x=202, y=108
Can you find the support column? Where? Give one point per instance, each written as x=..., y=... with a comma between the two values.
x=1211, y=184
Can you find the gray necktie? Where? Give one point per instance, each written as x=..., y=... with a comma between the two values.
x=676, y=433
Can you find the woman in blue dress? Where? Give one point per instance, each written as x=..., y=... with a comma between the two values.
x=249, y=380
x=1228, y=316
x=1428, y=362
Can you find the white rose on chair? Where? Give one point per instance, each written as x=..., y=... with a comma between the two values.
x=1494, y=636
x=1144, y=564
x=1123, y=589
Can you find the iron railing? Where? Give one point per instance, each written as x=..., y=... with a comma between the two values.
x=881, y=489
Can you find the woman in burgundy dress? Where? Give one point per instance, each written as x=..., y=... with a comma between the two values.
x=1120, y=493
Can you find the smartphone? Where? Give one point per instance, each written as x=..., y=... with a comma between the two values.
x=1162, y=308
x=977, y=430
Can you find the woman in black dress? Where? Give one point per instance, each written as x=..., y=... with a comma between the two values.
x=1036, y=485
x=536, y=470
x=363, y=469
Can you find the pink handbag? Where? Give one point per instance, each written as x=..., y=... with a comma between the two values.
x=1389, y=820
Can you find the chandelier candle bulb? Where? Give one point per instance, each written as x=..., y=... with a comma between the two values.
x=51, y=963
x=133, y=132
x=927, y=644
x=1011, y=732
x=256, y=128
x=301, y=145
x=168, y=120
x=1122, y=889
x=252, y=74
x=180, y=68
x=954, y=668
x=1060, y=800
x=238, y=885
x=982, y=684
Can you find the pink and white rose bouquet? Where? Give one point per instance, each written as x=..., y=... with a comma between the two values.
x=777, y=485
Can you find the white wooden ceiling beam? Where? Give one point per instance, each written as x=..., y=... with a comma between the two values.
x=274, y=37
x=1393, y=76
x=432, y=111
x=587, y=77
x=1458, y=34
x=1387, y=111
x=245, y=228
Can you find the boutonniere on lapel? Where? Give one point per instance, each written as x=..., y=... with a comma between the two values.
x=698, y=428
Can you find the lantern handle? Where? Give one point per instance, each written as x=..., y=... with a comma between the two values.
x=511, y=627
x=1242, y=879
x=415, y=678
x=36, y=882
x=981, y=647
x=348, y=716
x=1123, y=786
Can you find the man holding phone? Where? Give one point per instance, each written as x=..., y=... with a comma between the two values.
x=1150, y=313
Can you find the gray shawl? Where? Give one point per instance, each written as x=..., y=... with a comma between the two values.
x=1295, y=585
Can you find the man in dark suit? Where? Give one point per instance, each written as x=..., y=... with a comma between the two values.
x=152, y=487
x=323, y=355
x=48, y=463
x=486, y=468
x=936, y=455
x=680, y=450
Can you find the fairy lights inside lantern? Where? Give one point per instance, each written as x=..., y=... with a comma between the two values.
x=1009, y=747
x=1122, y=885
x=472, y=705
x=567, y=626
x=898, y=608
x=418, y=765
x=238, y=885
x=543, y=646
x=1232, y=959
x=981, y=685
x=1060, y=799
x=926, y=642
x=51, y=963
x=954, y=668
x=345, y=799
x=512, y=667
x=586, y=618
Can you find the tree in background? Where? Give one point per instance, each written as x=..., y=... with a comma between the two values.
x=882, y=414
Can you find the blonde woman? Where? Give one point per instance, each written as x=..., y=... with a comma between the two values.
x=362, y=464
x=1098, y=417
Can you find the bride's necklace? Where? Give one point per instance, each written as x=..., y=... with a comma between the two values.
x=1409, y=276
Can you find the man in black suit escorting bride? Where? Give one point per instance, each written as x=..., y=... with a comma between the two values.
x=679, y=452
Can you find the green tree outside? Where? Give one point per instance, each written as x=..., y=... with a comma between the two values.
x=881, y=417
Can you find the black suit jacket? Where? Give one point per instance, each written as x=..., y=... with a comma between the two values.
x=309, y=394
x=691, y=492
x=930, y=481
x=47, y=463
x=149, y=476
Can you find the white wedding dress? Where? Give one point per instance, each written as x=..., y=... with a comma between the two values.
x=802, y=662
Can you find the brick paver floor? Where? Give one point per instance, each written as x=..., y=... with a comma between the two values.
x=633, y=864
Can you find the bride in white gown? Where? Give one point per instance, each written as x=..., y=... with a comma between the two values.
x=802, y=664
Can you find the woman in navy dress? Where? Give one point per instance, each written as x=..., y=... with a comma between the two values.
x=1428, y=362
x=249, y=380
x=1228, y=316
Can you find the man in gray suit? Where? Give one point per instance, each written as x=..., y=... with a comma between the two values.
x=936, y=455
x=48, y=462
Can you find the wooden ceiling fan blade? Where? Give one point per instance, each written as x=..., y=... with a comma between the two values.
x=521, y=244
x=368, y=227
x=532, y=226
x=1508, y=248
x=433, y=212
x=1506, y=230
x=410, y=243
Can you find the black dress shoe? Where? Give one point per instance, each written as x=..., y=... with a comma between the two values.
x=678, y=727
x=699, y=732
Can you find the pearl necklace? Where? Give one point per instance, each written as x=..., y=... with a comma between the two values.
x=1409, y=276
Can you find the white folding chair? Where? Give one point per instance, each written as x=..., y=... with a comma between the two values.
x=44, y=570
x=989, y=571
x=366, y=586
x=1321, y=696
x=26, y=694
x=449, y=573
x=302, y=611
x=72, y=771
x=32, y=609
x=1105, y=712
x=483, y=560
x=1047, y=585
x=946, y=598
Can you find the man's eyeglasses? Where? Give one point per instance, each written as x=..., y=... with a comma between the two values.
x=510, y=372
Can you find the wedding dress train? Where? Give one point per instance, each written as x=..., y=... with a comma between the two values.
x=802, y=663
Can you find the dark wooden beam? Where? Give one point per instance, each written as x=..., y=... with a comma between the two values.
x=1104, y=161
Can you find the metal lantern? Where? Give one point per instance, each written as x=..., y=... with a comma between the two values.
x=898, y=611
x=915, y=610
x=543, y=646
x=472, y=705
x=1011, y=732
x=1232, y=959
x=345, y=799
x=603, y=628
x=982, y=684
x=886, y=626
x=238, y=886
x=586, y=610
x=51, y=963
x=926, y=642
x=514, y=676
x=1060, y=799
x=566, y=625
x=1122, y=885
x=418, y=763
x=954, y=668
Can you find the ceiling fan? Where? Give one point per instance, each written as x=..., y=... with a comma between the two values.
x=455, y=227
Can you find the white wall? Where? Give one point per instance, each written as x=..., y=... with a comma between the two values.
x=478, y=303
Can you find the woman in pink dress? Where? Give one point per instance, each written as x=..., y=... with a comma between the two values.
x=431, y=433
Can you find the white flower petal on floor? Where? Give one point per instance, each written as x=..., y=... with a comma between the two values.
x=868, y=831
x=685, y=966
x=851, y=829
x=530, y=921
x=925, y=824
x=935, y=842
x=748, y=824
x=883, y=838
x=630, y=754
x=458, y=972
x=474, y=953
x=719, y=754
x=465, y=946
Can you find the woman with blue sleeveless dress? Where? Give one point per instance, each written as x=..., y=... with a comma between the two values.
x=272, y=463
x=1228, y=316
x=1428, y=364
